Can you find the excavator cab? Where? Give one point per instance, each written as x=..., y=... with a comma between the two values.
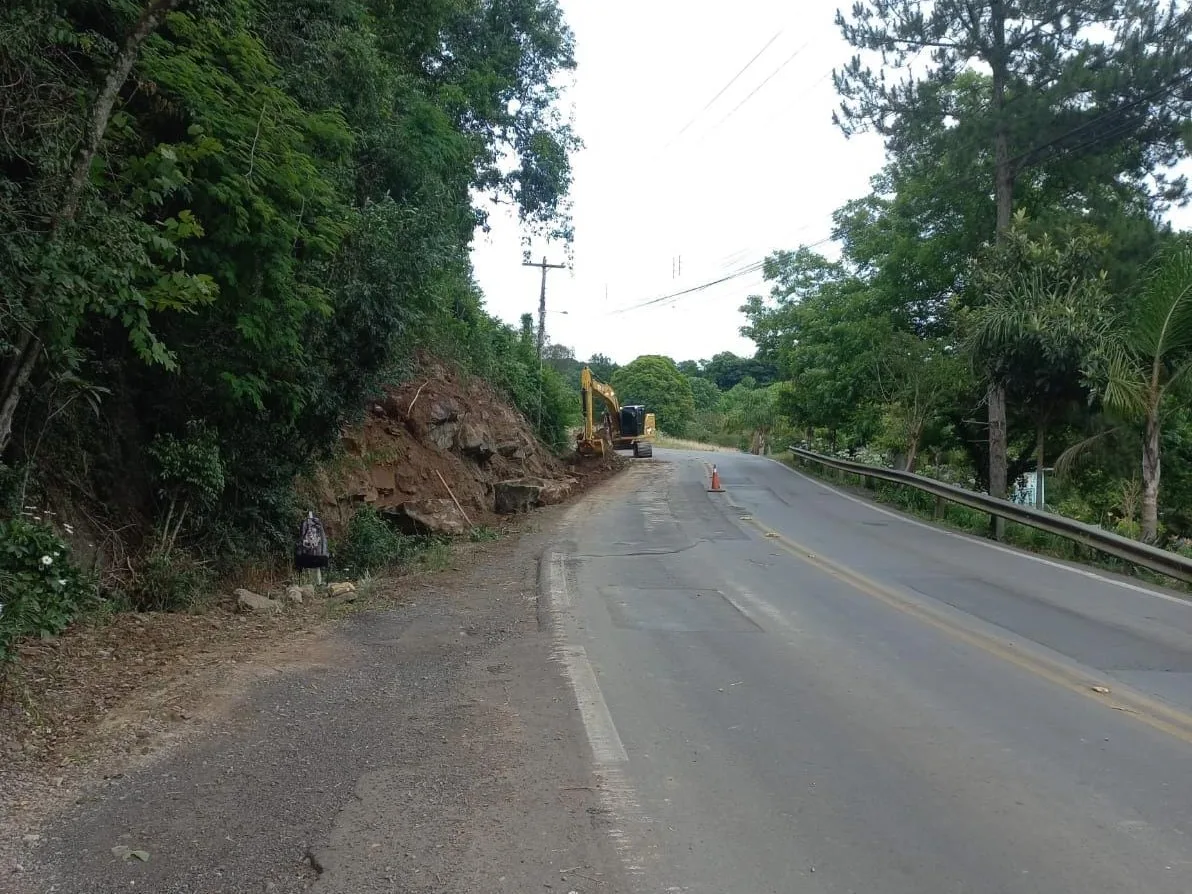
x=637, y=429
x=633, y=421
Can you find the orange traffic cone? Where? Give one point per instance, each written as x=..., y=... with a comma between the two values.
x=715, y=488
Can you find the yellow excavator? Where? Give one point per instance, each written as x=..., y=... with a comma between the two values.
x=621, y=427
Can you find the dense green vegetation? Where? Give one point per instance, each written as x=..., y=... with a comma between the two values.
x=224, y=223
x=1007, y=297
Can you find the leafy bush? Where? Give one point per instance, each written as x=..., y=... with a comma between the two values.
x=171, y=582
x=41, y=589
x=370, y=544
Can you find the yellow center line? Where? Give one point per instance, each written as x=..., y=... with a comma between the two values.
x=1137, y=705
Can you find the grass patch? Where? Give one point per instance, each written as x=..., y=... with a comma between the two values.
x=434, y=554
x=483, y=534
x=953, y=516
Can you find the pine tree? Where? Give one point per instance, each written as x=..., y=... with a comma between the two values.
x=1065, y=100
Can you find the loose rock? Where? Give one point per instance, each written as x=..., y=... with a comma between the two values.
x=247, y=600
x=340, y=588
x=294, y=594
x=519, y=495
x=475, y=440
x=435, y=516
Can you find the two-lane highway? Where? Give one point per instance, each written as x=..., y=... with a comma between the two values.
x=788, y=689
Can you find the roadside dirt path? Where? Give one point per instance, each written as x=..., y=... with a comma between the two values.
x=429, y=744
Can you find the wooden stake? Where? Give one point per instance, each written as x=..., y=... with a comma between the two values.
x=453, y=500
x=415, y=400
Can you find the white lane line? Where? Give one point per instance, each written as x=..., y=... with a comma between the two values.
x=1125, y=585
x=607, y=747
x=617, y=794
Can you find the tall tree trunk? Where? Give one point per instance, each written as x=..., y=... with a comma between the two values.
x=997, y=451
x=912, y=455
x=1004, y=196
x=16, y=375
x=1150, y=477
x=20, y=366
x=1040, y=443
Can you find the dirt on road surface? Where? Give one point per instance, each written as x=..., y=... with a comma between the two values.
x=429, y=744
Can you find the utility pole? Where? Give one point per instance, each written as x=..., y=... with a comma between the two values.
x=542, y=299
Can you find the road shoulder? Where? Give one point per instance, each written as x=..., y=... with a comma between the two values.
x=436, y=747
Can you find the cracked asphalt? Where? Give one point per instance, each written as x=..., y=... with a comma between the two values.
x=440, y=752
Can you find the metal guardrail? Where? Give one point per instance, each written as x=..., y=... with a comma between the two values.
x=1142, y=554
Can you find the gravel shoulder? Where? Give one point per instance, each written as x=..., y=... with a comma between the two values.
x=426, y=743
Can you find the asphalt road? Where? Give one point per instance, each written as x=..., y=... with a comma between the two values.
x=787, y=689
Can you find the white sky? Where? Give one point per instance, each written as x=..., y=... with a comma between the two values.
x=724, y=193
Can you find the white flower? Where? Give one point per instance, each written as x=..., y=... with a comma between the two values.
x=47, y=561
x=62, y=582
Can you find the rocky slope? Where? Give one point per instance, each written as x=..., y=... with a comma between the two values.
x=445, y=453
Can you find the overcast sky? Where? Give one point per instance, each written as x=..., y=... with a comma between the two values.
x=661, y=178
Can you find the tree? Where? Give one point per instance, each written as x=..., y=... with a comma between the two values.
x=726, y=369
x=562, y=360
x=916, y=378
x=1061, y=102
x=705, y=394
x=275, y=220
x=1144, y=365
x=822, y=325
x=754, y=410
x=656, y=382
x=1044, y=309
x=602, y=367
x=52, y=305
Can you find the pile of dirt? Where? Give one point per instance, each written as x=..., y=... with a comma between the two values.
x=444, y=453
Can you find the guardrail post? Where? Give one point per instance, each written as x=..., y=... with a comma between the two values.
x=941, y=507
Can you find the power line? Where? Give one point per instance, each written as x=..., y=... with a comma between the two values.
x=1113, y=131
x=722, y=90
x=745, y=271
x=1158, y=93
x=751, y=268
x=789, y=59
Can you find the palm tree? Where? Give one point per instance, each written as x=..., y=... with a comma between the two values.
x=1046, y=311
x=1144, y=362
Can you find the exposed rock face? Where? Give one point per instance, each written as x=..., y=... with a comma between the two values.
x=441, y=435
x=475, y=440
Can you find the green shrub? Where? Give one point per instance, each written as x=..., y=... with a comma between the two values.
x=173, y=582
x=41, y=589
x=370, y=544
